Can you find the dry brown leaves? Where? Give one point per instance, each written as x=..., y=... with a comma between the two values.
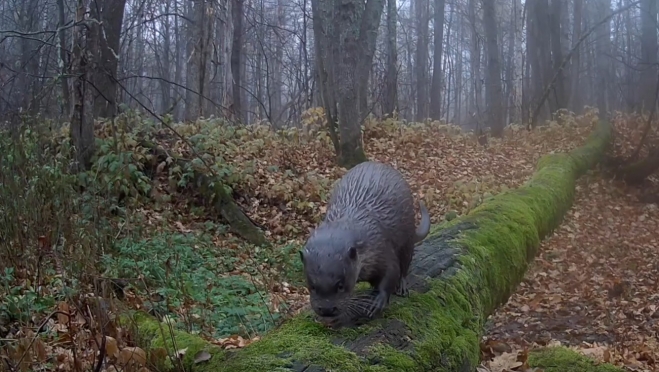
x=595, y=280
x=436, y=160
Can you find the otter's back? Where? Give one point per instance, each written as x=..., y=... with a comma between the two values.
x=375, y=190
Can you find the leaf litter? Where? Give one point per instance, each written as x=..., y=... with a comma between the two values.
x=593, y=285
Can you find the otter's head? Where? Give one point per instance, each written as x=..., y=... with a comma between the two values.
x=331, y=266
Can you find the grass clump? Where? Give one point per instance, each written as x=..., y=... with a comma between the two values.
x=562, y=359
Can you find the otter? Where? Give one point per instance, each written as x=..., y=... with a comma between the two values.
x=368, y=234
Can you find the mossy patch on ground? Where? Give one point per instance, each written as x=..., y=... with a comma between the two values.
x=562, y=359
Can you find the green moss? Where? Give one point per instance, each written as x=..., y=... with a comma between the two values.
x=388, y=357
x=299, y=339
x=561, y=359
x=497, y=241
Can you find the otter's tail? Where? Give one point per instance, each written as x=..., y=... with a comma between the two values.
x=424, y=227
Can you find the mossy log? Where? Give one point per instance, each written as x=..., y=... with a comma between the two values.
x=214, y=193
x=462, y=272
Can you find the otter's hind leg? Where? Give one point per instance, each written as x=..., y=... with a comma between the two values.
x=405, y=259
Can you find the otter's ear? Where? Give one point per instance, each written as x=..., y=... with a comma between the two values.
x=302, y=255
x=352, y=253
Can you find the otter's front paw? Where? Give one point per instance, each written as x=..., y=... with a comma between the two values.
x=402, y=289
x=380, y=301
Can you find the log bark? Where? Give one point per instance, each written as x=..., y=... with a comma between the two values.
x=462, y=272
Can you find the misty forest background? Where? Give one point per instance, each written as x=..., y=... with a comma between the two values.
x=474, y=64
x=173, y=155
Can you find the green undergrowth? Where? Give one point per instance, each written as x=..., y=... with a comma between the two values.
x=561, y=359
x=442, y=326
x=95, y=223
x=222, y=291
x=44, y=213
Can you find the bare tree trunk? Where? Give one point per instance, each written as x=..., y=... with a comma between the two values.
x=603, y=48
x=198, y=57
x=437, y=73
x=630, y=74
x=63, y=59
x=575, y=95
x=190, y=67
x=178, y=75
x=475, y=62
x=111, y=15
x=510, y=63
x=390, y=94
x=82, y=119
x=648, y=53
x=369, y=24
x=458, y=75
x=493, y=87
x=277, y=82
x=422, y=8
x=322, y=28
x=205, y=37
x=560, y=93
x=237, y=58
x=447, y=65
x=28, y=16
x=345, y=33
x=306, y=88
x=165, y=63
x=351, y=68
x=527, y=81
x=538, y=53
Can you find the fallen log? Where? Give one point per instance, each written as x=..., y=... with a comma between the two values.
x=462, y=272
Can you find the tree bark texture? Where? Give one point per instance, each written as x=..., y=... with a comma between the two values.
x=345, y=32
x=322, y=28
x=63, y=59
x=237, y=12
x=437, y=73
x=560, y=93
x=390, y=94
x=602, y=8
x=82, y=119
x=577, y=29
x=493, y=88
x=475, y=107
x=422, y=9
x=648, y=53
x=107, y=35
x=461, y=273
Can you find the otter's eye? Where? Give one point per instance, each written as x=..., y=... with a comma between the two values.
x=340, y=287
x=312, y=288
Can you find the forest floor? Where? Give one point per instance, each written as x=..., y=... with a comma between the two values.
x=591, y=286
x=595, y=284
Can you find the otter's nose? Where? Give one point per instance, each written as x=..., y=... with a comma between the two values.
x=327, y=311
